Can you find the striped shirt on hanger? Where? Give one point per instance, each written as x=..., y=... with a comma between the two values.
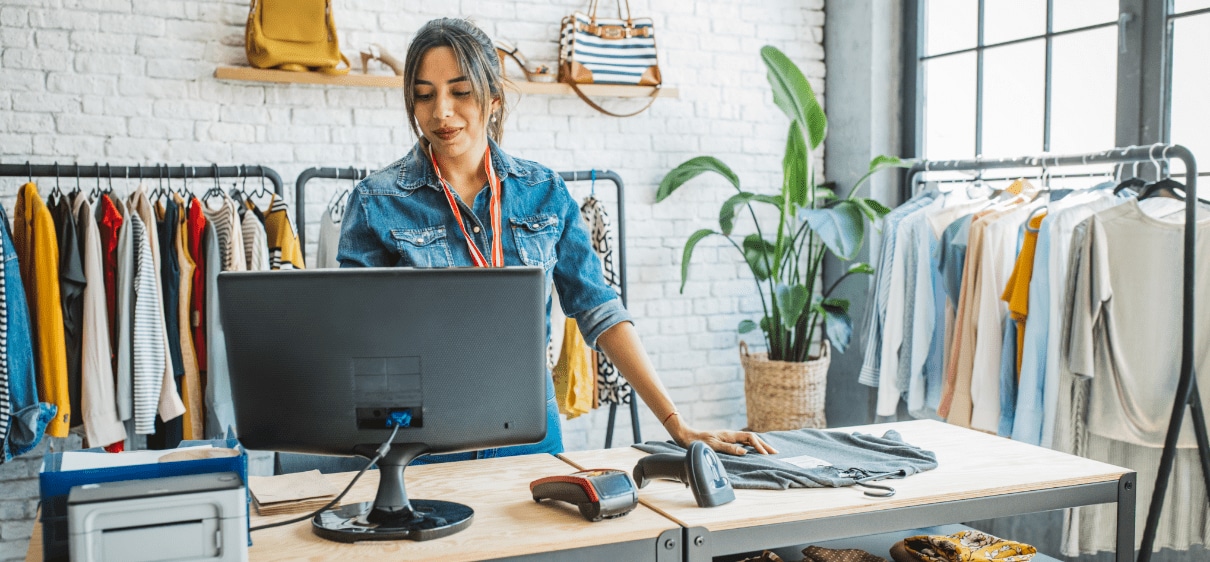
x=149, y=354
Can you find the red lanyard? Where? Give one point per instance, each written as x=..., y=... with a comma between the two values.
x=493, y=184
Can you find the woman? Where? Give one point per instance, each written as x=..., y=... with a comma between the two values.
x=457, y=200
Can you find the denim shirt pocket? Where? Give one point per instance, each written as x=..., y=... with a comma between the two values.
x=536, y=237
x=423, y=247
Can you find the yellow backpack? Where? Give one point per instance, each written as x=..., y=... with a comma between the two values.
x=298, y=35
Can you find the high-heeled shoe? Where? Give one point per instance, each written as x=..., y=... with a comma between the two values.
x=535, y=73
x=376, y=52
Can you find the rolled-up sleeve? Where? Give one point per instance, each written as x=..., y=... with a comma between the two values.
x=578, y=276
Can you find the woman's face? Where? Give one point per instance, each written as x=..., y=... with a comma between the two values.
x=449, y=116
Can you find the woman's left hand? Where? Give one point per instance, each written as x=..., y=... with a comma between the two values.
x=723, y=441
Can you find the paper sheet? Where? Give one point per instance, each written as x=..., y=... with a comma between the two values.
x=79, y=460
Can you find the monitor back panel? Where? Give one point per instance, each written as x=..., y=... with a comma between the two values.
x=319, y=358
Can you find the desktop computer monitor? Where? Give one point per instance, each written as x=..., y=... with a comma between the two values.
x=321, y=359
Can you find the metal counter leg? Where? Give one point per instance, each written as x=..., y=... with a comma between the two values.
x=697, y=548
x=1126, y=515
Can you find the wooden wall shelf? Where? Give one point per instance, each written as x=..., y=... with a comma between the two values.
x=249, y=74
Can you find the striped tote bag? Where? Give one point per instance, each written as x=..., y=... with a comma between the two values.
x=596, y=50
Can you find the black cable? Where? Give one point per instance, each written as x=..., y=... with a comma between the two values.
x=382, y=451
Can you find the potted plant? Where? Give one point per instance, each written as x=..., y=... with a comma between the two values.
x=785, y=386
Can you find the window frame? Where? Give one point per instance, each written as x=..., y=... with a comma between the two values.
x=1142, y=109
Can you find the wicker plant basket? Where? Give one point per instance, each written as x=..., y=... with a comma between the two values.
x=783, y=395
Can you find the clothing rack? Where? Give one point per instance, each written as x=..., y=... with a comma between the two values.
x=166, y=171
x=300, y=192
x=1187, y=394
x=593, y=175
x=300, y=199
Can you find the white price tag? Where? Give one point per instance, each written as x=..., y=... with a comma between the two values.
x=807, y=462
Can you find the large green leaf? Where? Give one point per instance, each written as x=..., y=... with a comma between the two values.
x=879, y=163
x=871, y=208
x=689, y=245
x=840, y=227
x=791, y=301
x=793, y=94
x=759, y=254
x=726, y=215
x=690, y=169
x=746, y=326
x=837, y=325
x=795, y=166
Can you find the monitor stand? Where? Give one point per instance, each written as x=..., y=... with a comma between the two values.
x=391, y=516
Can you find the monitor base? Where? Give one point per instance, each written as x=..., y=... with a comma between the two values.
x=427, y=520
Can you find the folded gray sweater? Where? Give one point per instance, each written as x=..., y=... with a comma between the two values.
x=811, y=458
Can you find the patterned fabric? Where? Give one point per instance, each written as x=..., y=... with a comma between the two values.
x=820, y=554
x=256, y=244
x=284, y=251
x=967, y=546
x=766, y=556
x=230, y=241
x=6, y=410
x=150, y=354
x=612, y=388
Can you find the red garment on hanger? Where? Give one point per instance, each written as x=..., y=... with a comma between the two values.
x=196, y=226
x=109, y=224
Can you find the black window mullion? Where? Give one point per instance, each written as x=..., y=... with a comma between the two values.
x=1046, y=103
x=1169, y=29
x=979, y=83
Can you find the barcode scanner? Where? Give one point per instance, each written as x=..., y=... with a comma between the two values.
x=698, y=468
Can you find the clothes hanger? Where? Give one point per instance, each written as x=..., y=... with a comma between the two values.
x=159, y=187
x=29, y=170
x=55, y=194
x=216, y=191
x=109, y=180
x=262, y=191
x=71, y=196
x=1166, y=186
x=95, y=193
x=1133, y=183
x=183, y=191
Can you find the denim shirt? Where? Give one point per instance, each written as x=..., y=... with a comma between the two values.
x=29, y=416
x=399, y=216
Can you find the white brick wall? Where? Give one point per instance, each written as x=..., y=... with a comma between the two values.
x=131, y=81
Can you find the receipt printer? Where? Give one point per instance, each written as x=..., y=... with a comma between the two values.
x=194, y=517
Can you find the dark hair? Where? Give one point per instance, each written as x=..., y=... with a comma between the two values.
x=477, y=60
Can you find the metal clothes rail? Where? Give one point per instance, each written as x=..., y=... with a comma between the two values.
x=1187, y=395
x=154, y=172
x=300, y=200
x=300, y=193
x=592, y=175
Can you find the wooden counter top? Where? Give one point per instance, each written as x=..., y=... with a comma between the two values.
x=971, y=465
x=507, y=520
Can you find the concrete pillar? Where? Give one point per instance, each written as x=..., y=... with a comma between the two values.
x=863, y=45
